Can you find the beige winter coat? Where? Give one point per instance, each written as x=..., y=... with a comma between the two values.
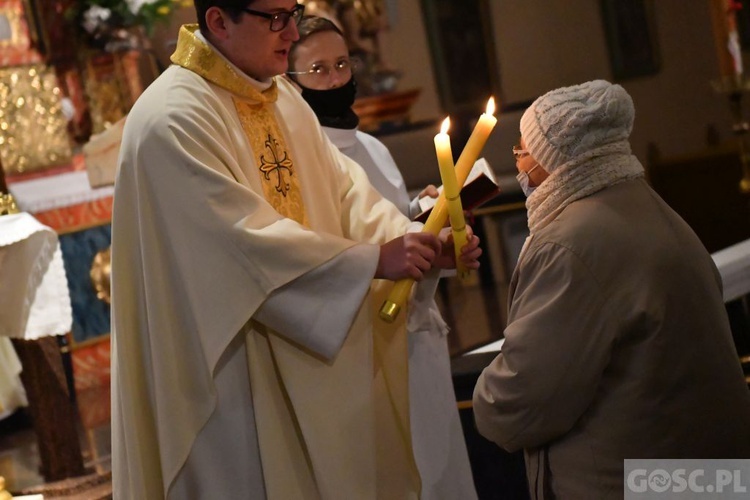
x=617, y=346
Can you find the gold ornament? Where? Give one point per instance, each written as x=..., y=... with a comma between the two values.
x=100, y=272
x=4, y=495
x=7, y=204
x=33, y=130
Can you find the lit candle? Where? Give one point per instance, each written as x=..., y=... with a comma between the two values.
x=476, y=142
x=452, y=191
x=469, y=155
x=439, y=214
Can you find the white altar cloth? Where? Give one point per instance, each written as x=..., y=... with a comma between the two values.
x=34, y=295
x=56, y=191
x=495, y=346
x=734, y=266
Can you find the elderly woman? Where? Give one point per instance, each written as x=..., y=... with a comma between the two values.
x=617, y=344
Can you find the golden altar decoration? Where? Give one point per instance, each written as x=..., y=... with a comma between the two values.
x=109, y=96
x=31, y=109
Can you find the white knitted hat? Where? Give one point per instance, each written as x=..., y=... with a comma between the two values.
x=580, y=120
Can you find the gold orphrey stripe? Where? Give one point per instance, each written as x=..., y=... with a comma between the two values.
x=280, y=181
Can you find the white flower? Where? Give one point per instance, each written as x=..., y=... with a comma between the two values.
x=135, y=5
x=94, y=16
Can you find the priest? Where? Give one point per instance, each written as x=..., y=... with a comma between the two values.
x=248, y=258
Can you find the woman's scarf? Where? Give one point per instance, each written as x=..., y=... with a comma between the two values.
x=581, y=177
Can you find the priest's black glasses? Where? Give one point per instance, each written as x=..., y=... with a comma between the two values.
x=279, y=20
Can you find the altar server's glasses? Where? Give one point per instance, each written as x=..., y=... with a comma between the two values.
x=321, y=72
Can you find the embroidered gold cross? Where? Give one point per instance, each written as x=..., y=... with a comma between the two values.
x=276, y=165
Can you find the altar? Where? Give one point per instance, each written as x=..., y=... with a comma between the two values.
x=62, y=200
x=36, y=310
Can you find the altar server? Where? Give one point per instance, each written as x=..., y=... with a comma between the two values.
x=320, y=65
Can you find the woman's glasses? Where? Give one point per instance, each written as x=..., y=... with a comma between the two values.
x=519, y=153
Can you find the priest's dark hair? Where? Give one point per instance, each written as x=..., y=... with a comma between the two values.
x=232, y=7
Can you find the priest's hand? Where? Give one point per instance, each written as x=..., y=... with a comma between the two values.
x=470, y=253
x=408, y=256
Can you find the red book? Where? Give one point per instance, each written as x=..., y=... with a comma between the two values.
x=479, y=188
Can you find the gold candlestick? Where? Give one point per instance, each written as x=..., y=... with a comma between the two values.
x=4, y=495
x=7, y=203
x=734, y=87
x=732, y=83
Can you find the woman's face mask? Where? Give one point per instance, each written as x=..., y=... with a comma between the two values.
x=524, y=181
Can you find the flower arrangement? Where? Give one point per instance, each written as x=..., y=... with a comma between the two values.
x=104, y=23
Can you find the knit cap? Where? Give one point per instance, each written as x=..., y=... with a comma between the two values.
x=583, y=120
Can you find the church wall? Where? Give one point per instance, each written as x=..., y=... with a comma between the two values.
x=543, y=45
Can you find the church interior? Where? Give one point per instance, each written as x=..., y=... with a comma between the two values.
x=70, y=73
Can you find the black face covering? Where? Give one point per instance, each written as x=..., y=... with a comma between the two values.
x=333, y=107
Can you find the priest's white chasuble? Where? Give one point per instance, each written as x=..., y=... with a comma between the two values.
x=248, y=358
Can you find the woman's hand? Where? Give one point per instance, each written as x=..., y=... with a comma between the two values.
x=470, y=253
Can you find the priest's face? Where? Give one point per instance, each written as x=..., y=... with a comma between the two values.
x=258, y=43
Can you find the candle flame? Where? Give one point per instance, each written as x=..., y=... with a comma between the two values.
x=446, y=125
x=491, y=106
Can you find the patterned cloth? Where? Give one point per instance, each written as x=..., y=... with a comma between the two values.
x=33, y=286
